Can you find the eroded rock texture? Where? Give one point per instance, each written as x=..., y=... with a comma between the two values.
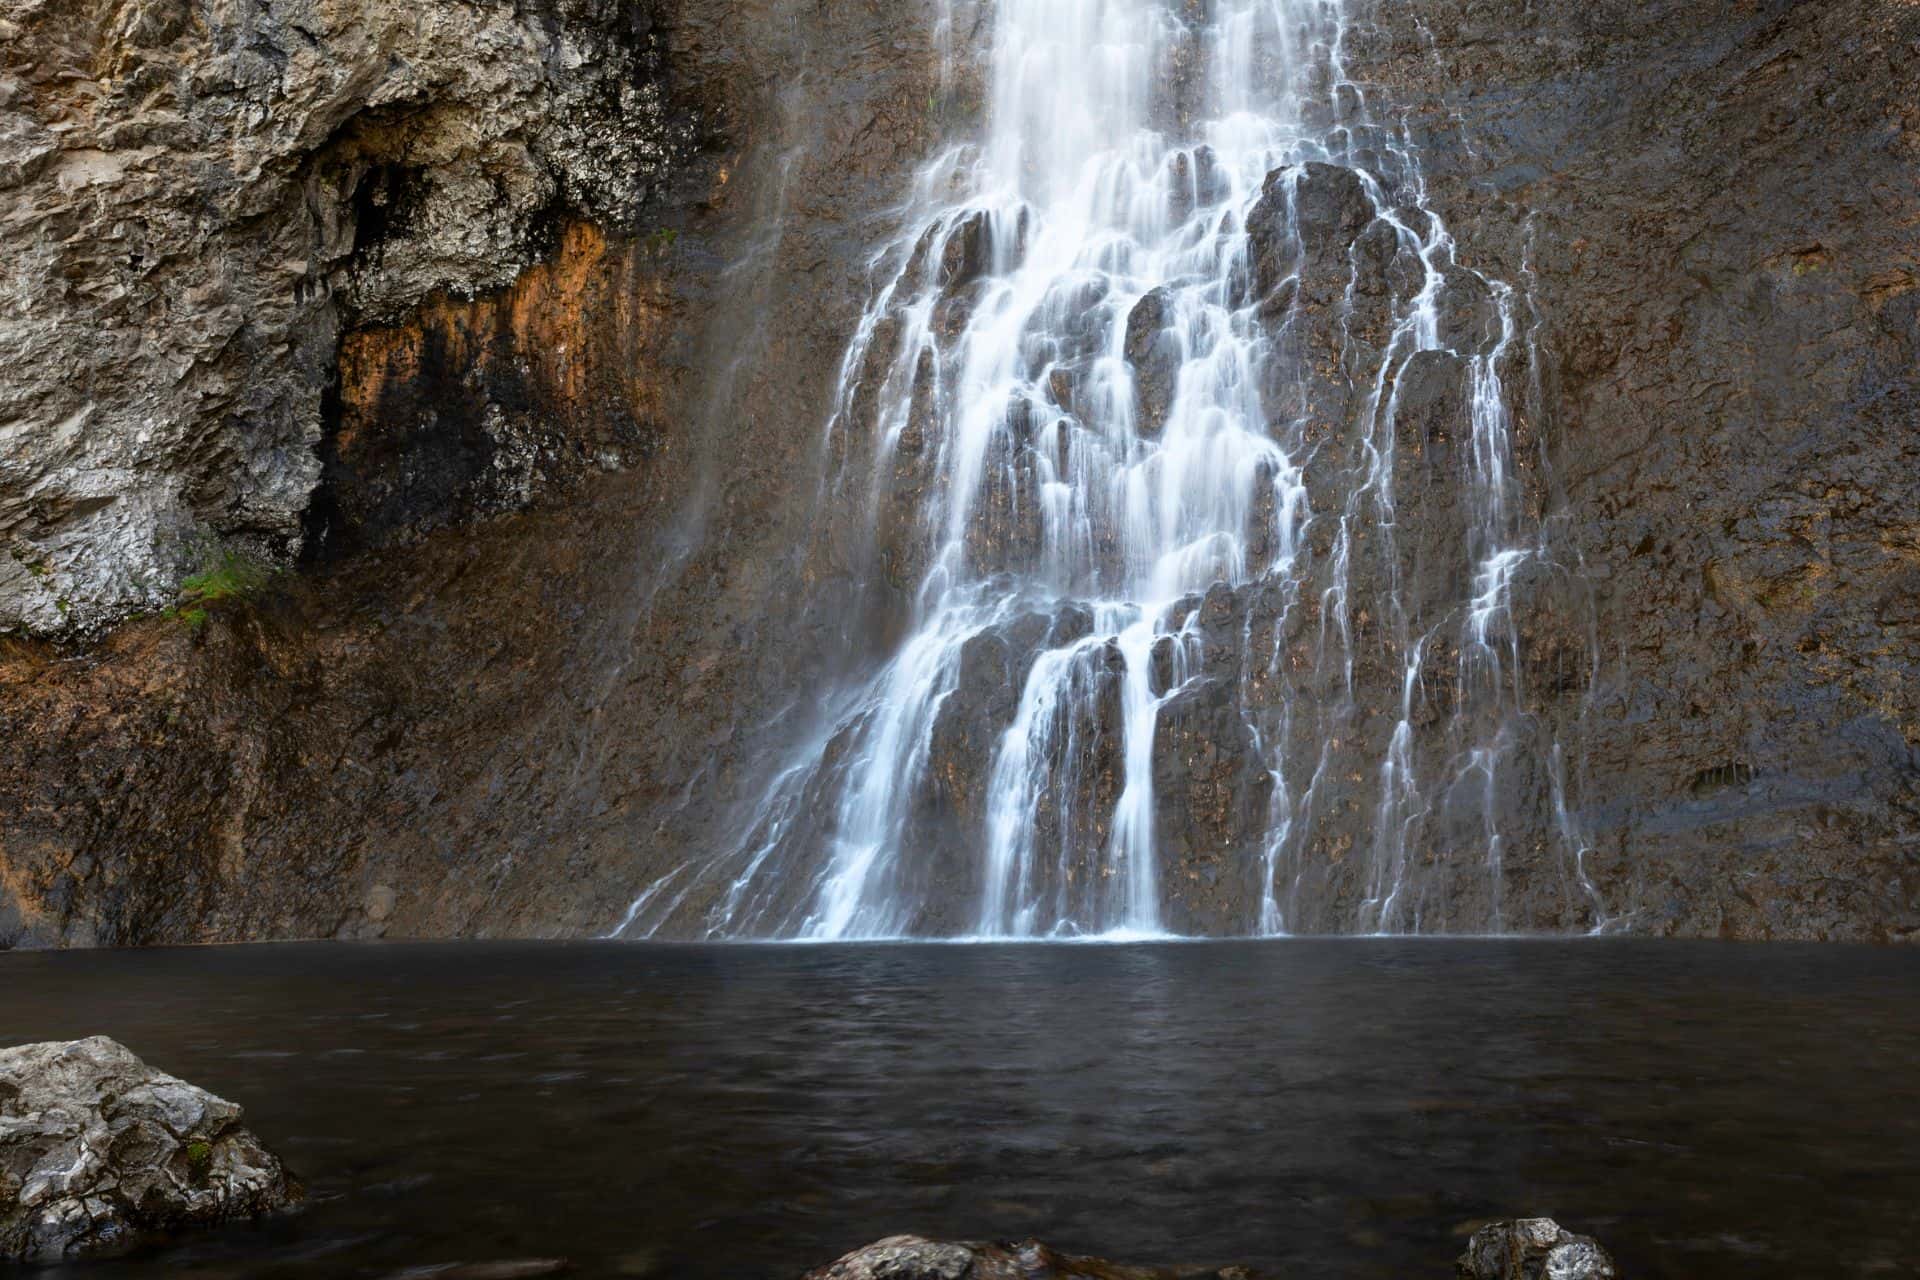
x=1533, y=1249
x=1524, y=1249
x=196, y=196
x=534, y=648
x=916, y=1258
x=99, y=1150
x=1713, y=207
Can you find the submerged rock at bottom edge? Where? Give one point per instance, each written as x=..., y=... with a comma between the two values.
x=99, y=1151
x=1533, y=1249
x=1522, y=1249
x=916, y=1258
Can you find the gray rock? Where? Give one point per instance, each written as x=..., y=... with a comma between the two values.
x=1154, y=352
x=99, y=1150
x=1315, y=211
x=901, y=1258
x=1533, y=1249
x=196, y=196
x=1526, y=1249
x=914, y=1258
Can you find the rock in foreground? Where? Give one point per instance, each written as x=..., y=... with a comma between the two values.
x=1533, y=1249
x=99, y=1150
x=1524, y=1249
x=914, y=1258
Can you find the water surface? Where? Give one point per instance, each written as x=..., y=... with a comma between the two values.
x=1326, y=1109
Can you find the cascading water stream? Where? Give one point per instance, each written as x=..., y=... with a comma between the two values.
x=1126, y=420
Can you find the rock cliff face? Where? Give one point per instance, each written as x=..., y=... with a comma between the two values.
x=1714, y=209
x=547, y=445
x=196, y=197
x=515, y=327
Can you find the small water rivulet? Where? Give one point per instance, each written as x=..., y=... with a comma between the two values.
x=1185, y=459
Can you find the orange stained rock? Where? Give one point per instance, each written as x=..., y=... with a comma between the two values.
x=587, y=324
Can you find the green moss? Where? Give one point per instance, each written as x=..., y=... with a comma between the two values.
x=229, y=577
x=199, y=1153
x=234, y=576
x=32, y=562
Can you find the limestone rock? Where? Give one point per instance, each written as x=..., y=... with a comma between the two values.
x=97, y=1150
x=1525, y=1249
x=1533, y=1249
x=915, y=1258
x=607, y=340
x=196, y=196
x=901, y=1258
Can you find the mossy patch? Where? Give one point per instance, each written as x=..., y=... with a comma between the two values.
x=199, y=1153
x=233, y=576
x=229, y=577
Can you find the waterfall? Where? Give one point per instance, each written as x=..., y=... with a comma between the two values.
x=1184, y=450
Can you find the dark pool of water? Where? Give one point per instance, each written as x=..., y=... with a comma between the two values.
x=1328, y=1109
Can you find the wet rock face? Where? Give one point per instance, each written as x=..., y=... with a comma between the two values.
x=1155, y=355
x=1725, y=276
x=450, y=727
x=471, y=409
x=1314, y=211
x=549, y=515
x=1212, y=790
x=198, y=196
x=98, y=1151
x=1533, y=1249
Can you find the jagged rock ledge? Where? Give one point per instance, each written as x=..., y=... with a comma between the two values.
x=1521, y=1249
x=201, y=200
x=99, y=1151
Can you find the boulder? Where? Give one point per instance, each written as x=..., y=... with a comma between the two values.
x=98, y=1151
x=914, y=1258
x=1522, y=1249
x=1533, y=1249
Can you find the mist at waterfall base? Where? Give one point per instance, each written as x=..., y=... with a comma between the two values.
x=1325, y=1109
x=1174, y=467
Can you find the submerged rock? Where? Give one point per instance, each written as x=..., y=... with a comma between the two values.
x=1533, y=1249
x=914, y=1258
x=506, y=1269
x=99, y=1150
x=1522, y=1249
